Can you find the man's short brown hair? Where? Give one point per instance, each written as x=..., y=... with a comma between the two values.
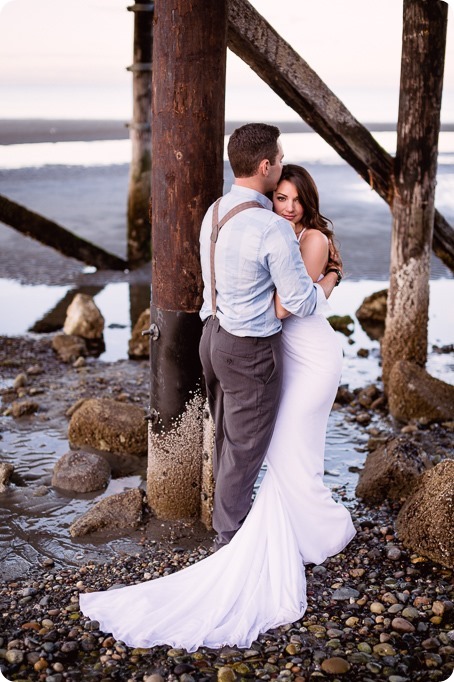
x=249, y=145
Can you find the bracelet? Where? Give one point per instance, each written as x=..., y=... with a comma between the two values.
x=338, y=273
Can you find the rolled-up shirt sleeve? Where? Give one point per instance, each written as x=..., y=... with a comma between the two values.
x=296, y=290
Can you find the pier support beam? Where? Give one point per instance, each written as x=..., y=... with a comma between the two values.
x=139, y=232
x=189, y=54
x=423, y=49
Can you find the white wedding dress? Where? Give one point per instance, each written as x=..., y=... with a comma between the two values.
x=257, y=581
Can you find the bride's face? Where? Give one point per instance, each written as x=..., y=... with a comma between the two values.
x=286, y=202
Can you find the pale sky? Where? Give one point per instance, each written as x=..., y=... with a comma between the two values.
x=353, y=45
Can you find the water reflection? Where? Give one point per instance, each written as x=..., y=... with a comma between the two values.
x=35, y=517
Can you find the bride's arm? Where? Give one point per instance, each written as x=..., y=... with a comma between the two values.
x=314, y=247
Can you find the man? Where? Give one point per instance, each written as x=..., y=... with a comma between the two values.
x=254, y=254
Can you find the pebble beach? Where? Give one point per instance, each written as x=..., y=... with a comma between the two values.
x=377, y=612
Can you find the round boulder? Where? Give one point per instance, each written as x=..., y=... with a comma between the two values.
x=81, y=472
x=425, y=522
x=110, y=426
x=371, y=314
x=414, y=394
x=69, y=347
x=391, y=470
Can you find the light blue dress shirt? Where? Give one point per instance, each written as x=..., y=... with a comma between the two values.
x=256, y=253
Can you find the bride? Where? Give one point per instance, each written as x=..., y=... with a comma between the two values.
x=257, y=581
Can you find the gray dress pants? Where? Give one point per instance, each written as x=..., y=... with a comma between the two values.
x=243, y=378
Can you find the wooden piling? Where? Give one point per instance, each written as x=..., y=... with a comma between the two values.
x=139, y=191
x=423, y=48
x=189, y=62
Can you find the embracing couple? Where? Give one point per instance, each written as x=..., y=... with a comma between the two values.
x=272, y=366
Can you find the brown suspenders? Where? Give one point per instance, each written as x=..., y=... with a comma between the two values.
x=216, y=227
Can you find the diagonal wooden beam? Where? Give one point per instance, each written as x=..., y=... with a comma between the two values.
x=255, y=41
x=57, y=237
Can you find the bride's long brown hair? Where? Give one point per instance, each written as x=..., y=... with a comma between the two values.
x=309, y=199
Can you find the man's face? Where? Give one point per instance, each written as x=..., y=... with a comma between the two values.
x=275, y=170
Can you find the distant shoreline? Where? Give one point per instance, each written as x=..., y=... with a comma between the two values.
x=29, y=131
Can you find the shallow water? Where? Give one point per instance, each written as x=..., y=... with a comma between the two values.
x=35, y=517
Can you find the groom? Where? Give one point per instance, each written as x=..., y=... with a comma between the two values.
x=243, y=263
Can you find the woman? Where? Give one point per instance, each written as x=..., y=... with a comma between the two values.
x=257, y=581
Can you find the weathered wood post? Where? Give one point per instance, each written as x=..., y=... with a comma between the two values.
x=423, y=48
x=139, y=191
x=189, y=61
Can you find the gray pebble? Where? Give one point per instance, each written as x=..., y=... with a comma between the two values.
x=344, y=593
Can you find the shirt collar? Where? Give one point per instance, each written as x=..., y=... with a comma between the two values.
x=248, y=194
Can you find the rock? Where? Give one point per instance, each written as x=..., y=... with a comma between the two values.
x=342, y=323
x=14, y=656
x=410, y=612
x=367, y=395
x=402, y=625
x=22, y=408
x=371, y=314
x=35, y=370
x=20, y=381
x=344, y=396
x=123, y=510
x=344, y=593
x=81, y=472
x=5, y=474
x=108, y=425
x=83, y=318
x=69, y=348
x=226, y=674
x=393, y=553
x=384, y=649
x=415, y=394
x=139, y=346
x=425, y=522
x=391, y=470
x=335, y=665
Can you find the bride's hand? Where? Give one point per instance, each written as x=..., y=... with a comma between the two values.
x=334, y=258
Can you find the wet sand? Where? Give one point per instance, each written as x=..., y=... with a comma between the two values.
x=20, y=131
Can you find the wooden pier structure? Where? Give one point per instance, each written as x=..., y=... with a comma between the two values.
x=177, y=134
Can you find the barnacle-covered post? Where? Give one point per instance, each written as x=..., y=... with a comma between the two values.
x=423, y=51
x=189, y=62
